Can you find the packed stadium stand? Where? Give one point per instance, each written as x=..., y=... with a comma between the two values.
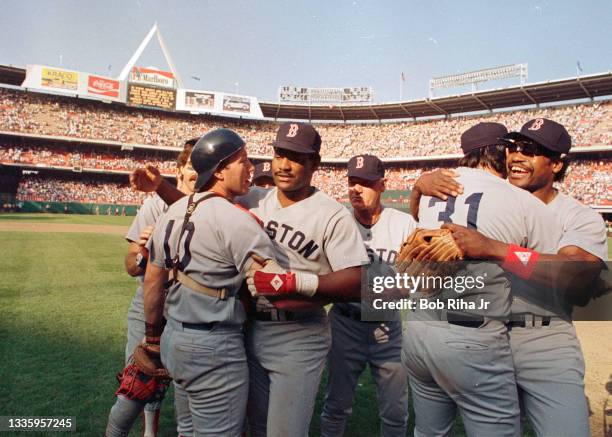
x=64, y=149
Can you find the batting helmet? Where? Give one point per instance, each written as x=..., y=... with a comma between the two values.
x=210, y=150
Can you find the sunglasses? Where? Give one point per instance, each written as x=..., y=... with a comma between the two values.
x=529, y=149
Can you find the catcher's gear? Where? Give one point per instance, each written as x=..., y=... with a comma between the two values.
x=137, y=385
x=429, y=253
x=210, y=150
x=147, y=359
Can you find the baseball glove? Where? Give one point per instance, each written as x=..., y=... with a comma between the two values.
x=429, y=252
x=147, y=360
x=134, y=384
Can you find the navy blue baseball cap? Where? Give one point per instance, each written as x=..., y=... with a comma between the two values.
x=481, y=135
x=262, y=170
x=546, y=133
x=298, y=137
x=367, y=167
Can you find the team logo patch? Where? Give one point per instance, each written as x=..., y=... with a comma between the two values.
x=537, y=124
x=276, y=282
x=293, y=130
x=266, y=166
x=359, y=163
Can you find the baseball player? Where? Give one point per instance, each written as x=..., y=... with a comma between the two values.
x=262, y=175
x=356, y=343
x=547, y=356
x=201, y=239
x=313, y=235
x=464, y=360
x=317, y=239
x=124, y=411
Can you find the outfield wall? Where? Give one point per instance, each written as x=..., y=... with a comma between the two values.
x=77, y=208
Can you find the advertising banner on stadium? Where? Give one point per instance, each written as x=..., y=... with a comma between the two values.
x=152, y=77
x=211, y=102
x=51, y=79
x=103, y=86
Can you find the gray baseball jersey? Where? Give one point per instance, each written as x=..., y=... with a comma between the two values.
x=316, y=235
x=382, y=242
x=356, y=343
x=152, y=208
x=548, y=358
x=581, y=226
x=286, y=358
x=499, y=211
x=214, y=253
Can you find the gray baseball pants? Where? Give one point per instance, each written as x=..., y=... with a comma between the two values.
x=286, y=361
x=452, y=366
x=550, y=376
x=210, y=366
x=355, y=344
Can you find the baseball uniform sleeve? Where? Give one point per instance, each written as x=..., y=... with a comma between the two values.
x=147, y=216
x=155, y=245
x=586, y=230
x=343, y=244
x=237, y=246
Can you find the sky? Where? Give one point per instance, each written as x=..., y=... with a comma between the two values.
x=253, y=47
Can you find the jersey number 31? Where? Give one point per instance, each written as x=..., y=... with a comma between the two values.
x=472, y=202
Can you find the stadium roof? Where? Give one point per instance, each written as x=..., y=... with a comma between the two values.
x=582, y=87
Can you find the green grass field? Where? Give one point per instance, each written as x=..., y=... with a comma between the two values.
x=63, y=305
x=77, y=219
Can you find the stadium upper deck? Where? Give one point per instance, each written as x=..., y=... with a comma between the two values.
x=583, y=87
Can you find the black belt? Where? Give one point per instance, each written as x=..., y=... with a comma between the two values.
x=465, y=320
x=276, y=316
x=347, y=313
x=200, y=326
x=525, y=320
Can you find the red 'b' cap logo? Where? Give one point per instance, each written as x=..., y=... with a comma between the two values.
x=537, y=124
x=293, y=130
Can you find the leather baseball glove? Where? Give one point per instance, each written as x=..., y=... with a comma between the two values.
x=429, y=252
x=134, y=384
x=147, y=360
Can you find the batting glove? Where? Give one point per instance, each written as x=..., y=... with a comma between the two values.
x=273, y=280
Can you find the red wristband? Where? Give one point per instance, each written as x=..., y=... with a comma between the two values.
x=520, y=261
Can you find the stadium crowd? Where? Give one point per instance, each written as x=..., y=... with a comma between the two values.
x=589, y=181
x=44, y=189
x=86, y=159
x=26, y=112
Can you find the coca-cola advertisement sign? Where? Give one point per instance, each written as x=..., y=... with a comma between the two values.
x=102, y=86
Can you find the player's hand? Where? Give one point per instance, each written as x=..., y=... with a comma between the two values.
x=381, y=334
x=474, y=244
x=440, y=183
x=146, y=179
x=145, y=235
x=271, y=280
